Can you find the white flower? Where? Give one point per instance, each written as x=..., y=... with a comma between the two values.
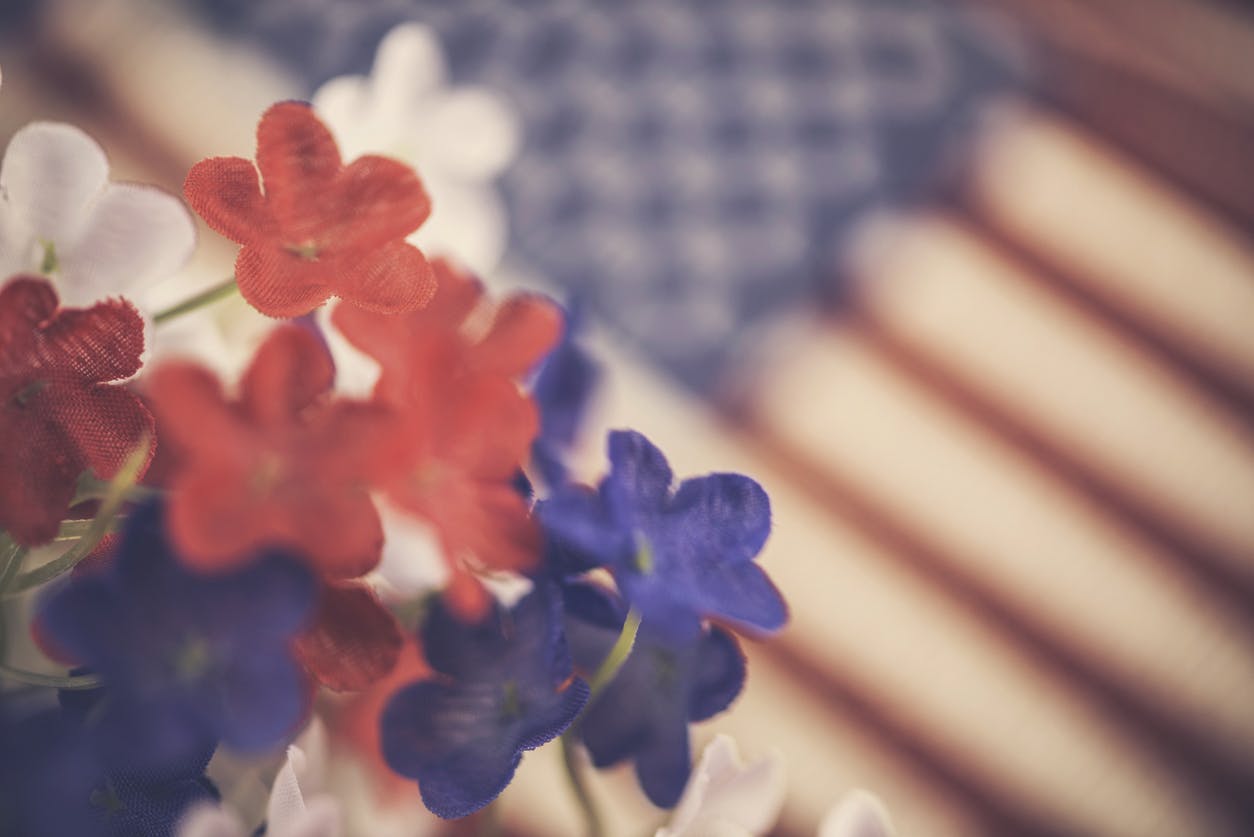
x=725, y=798
x=457, y=139
x=60, y=216
x=288, y=814
x=859, y=814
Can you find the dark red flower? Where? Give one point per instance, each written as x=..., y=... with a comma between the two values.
x=282, y=466
x=59, y=415
x=354, y=640
x=320, y=229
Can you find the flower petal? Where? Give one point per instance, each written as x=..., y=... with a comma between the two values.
x=525, y=329
x=726, y=796
x=299, y=162
x=278, y=283
x=225, y=192
x=858, y=814
x=639, y=471
x=375, y=200
x=409, y=65
x=290, y=371
x=132, y=237
x=393, y=279
x=481, y=133
x=728, y=515
x=50, y=175
x=353, y=642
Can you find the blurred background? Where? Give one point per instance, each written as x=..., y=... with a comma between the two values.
x=967, y=285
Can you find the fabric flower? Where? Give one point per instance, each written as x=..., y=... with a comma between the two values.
x=353, y=641
x=288, y=813
x=644, y=712
x=188, y=660
x=507, y=687
x=320, y=229
x=54, y=781
x=459, y=139
x=728, y=798
x=60, y=216
x=508, y=338
x=281, y=466
x=463, y=428
x=562, y=390
x=675, y=554
x=859, y=814
x=59, y=415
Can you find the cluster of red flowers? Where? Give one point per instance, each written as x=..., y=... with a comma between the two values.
x=285, y=462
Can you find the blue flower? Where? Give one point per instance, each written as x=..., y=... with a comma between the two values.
x=675, y=555
x=561, y=391
x=188, y=660
x=644, y=712
x=507, y=686
x=53, y=780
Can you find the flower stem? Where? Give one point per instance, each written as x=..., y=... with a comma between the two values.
x=32, y=678
x=115, y=496
x=601, y=678
x=200, y=300
x=574, y=771
x=614, y=660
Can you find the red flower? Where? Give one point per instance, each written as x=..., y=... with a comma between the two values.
x=58, y=414
x=354, y=640
x=507, y=339
x=321, y=229
x=281, y=466
x=464, y=428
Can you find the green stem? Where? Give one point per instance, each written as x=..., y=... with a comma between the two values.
x=73, y=530
x=574, y=772
x=115, y=496
x=200, y=300
x=601, y=678
x=11, y=555
x=614, y=660
x=79, y=681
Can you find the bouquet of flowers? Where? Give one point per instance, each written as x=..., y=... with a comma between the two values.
x=235, y=575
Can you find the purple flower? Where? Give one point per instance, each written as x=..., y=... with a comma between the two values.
x=644, y=712
x=507, y=686
x=676, y=556
x=561, y=391
x=187, y=660
x=53, y=780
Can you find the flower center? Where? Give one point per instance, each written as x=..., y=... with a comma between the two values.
x=642, y=561
x=26, y=393
x=50, y=261
x=511, y=704
x=192, y=660
x=305, y=251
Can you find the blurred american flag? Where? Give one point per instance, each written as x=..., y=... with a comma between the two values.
x=968, y=286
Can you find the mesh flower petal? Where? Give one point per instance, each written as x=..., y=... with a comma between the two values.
x=509, y=688
x=320, y=228
x=644, y=712
x=60, y=216
x=187, y=659
x=283, y=465
x=54, y=781
x=354, y=641
x=677, y=555
x=58, y=413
